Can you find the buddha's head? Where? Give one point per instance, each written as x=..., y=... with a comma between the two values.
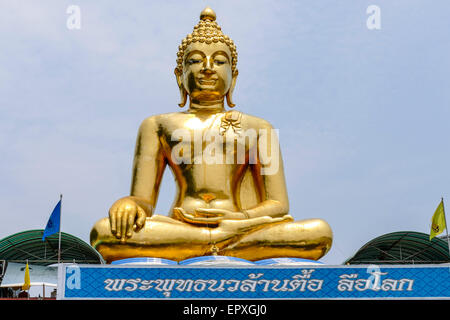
x=206, y=63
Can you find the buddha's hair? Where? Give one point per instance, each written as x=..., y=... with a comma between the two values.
x=207, y=31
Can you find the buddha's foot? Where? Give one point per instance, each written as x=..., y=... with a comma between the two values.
x=252, y=239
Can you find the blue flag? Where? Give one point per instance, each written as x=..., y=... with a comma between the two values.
x=53, y=223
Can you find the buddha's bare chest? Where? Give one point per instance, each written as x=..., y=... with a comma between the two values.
x=209, y=145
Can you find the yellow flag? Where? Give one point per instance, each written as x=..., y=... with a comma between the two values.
x=26, y=284
x=438, y=221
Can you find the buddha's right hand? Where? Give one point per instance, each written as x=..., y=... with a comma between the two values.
x=125, y=217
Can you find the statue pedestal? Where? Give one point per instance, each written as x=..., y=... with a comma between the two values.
x=143, y=261
x=216, y=261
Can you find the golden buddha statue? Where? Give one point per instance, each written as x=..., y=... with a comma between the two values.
x=231, y=196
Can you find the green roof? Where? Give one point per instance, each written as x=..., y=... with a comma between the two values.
x=403, y=247
x=28, y=245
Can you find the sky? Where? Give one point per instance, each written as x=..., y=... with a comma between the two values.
x=362, y=113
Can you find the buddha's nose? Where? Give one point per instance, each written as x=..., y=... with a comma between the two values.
x=208, y=66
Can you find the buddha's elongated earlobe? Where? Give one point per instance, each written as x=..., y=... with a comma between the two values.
x=183, y=93
x=229, y=94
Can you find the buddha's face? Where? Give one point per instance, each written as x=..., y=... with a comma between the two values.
x=207, y=74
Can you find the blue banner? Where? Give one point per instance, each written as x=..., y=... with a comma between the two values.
x=53, y=222
x=254, y=282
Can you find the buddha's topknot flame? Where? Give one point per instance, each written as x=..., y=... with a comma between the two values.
x=207, y=31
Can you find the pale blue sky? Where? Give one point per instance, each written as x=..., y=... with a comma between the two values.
x=362, y=114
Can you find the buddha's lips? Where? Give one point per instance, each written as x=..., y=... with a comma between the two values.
x=207, y=82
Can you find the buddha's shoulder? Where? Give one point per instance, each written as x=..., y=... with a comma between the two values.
x=162, y=119
x=254, y=121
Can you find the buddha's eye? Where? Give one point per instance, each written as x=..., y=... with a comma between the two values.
x=194, y=61
x=219, y=62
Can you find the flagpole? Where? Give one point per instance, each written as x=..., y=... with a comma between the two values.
x=28, y=289
x=446, y=225
x=59, y=241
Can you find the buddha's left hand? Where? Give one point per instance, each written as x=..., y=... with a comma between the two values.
x=209, y=216
x=220, y=214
